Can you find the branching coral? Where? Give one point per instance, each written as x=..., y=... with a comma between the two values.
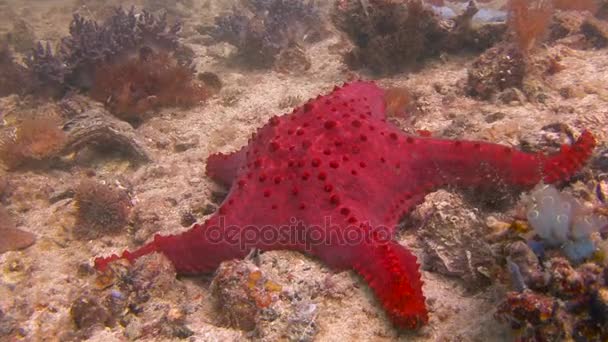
x=264, y=28
x=89, y=44
x=132, y=62
x=34, y=138
x=101, y=209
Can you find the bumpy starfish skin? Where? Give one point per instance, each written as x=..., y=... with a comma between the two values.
x=332, y=180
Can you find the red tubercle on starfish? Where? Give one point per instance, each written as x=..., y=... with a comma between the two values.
x=335, y=165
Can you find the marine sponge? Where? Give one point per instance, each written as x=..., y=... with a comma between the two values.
x=560, y=219
x=262, y=29
x=101, y=209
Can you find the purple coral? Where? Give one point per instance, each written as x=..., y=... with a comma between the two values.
x=89, y=43
x=264, y=28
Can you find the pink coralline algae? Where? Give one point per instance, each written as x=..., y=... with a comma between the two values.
x=332, y=179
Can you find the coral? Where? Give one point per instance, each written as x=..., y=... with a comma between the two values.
x=528, y=21
x=33, y=139
x=122, y=36
x=145, y=298
x=334, y=166
x=132, y=88
x=262, y=29
x=388, y=35
x=91, y=125
x=101, y=209
x=497, y=69
x=568, y=304
x=12, y=238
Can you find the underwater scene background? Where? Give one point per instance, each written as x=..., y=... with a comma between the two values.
x=441, y=168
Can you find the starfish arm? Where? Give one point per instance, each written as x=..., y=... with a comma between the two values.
x=199, y=250
x=392, y=272
x=223, y=168
x=473, y=163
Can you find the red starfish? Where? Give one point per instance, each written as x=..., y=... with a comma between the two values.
x=332, y=180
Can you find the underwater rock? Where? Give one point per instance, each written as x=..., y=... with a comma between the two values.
x=242, y=293
x=499, y=68
x=86, y=312
x=262, y=29
x=528, y=265
x=392, y=36
x=388, y=36
x=146, y=298
x=13, y=239
x=596, y=32
x=599, y=305
x=248, y=298
x=565, y=23
x=90, y=124
x=292, y=59
x=452, y=238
